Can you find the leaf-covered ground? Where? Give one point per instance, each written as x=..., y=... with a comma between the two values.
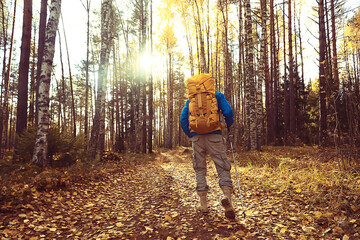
x=155, y=199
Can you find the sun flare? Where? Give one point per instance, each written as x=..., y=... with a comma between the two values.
x=146, y=61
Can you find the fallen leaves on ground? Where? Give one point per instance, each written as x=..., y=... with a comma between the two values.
x=156, y=199
x=135, y=202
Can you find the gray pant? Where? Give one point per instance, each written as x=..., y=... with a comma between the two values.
x=214, y=145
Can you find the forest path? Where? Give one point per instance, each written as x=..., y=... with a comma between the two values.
x=129, y=201
x=271, y=213
x=155, y=199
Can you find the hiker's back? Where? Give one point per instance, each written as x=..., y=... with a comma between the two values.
x=203, y=107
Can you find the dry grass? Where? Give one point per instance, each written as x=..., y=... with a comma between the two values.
x=310, y=171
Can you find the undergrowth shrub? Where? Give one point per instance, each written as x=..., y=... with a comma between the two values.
x=49, y=179
x=63, y=148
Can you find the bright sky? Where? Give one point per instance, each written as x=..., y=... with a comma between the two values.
x=74, y=17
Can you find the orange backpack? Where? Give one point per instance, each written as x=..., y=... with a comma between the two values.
x=203, y=108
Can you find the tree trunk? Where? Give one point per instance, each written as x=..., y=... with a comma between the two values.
x=42, y=132
x=291, y=79
x=73, y=112
x=151, y=107
x=286, y=86
x=5, y=40
x=32, y=84
x=250, y=80
x=228, y=85
x=86, y=120
x=21, y=116
x=201, y=39
x=12, y=126
x=97, y=141
x=41, y=47
x=328, y=67
x=265, y=74
x=322, y=80
x=335, y=62
x=5, y=107
x=114, y=102
x=143, y=25
x=302, y=84
x=170, y=104
x=242, y=82
x=63, y=97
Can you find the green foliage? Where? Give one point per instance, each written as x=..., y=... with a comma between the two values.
x=63, y=148
x=25, y=144
x=311, y=125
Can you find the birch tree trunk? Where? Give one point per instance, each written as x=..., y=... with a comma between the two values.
x=41, y=46
x=97, y=141
x=250, y=80
x=241, y=101
x=228, y=62
x=264, y=77
x=42, y=131
x=21, y=116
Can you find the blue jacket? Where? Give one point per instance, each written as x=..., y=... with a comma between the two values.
x=223, y=105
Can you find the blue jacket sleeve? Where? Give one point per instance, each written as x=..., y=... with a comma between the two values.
x=184, y=119
x=225, y=108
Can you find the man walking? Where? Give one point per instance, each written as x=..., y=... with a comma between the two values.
x=201, y=121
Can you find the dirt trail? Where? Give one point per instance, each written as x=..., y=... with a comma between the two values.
x=156, y=199
x=271, y=214
x=143, y=201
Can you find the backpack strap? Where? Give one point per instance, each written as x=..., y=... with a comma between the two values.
x=199, y=100
x=208, y=109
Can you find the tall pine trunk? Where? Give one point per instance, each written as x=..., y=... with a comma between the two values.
x=42, y=131
x=265, y=74
x=322, y=80
x=150, y=100
x=73, y=112
x=286, y=86
x=334, y=49
x=31, y=117
x=21, y=116
x=5, y=106
x=291, y=78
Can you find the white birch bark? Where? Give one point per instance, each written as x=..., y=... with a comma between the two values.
x=97, y=141
x=250, y=80
x=42, y=132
